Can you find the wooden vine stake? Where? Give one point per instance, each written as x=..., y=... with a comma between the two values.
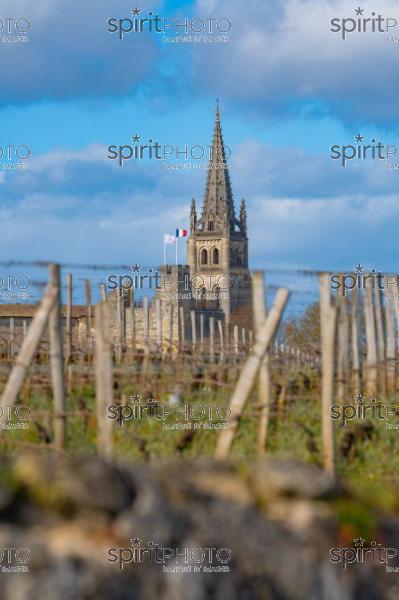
x=211, y=339
x=264, y=383
x=69, y=282
x=88, y=316
x=343, y=346
x=27, y=351
x=371, y=359
x=328, y=318
x=220, y=329
x=57, y=362
x=133, y=322
x=170, y=324
x=249, y=372
x=356, y=367
x=158, y=313
x=381, y=350
x=193, y=330
x=393, y=299
x=104, y=388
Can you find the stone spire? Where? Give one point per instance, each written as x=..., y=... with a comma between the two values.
x=218, y=207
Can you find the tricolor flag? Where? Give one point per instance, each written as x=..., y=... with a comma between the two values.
x=169, y=239
x=181, y=232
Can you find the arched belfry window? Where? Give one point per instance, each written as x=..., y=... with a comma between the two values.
x=204, y=257
x=210, y=226
x=215, y=256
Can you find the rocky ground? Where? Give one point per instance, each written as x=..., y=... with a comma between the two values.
x=88, y=529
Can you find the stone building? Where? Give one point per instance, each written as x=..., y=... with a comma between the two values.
x=217, y=249
x=216, y=282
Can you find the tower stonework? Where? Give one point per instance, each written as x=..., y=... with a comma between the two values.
x=218, y=245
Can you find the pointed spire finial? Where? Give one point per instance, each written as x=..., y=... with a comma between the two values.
x=218, y=206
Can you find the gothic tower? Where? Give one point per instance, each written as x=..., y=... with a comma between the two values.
x=218, y=244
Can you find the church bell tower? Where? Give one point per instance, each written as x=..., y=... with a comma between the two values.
x=218, y=243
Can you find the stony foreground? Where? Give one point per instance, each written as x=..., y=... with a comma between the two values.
x=88, y=529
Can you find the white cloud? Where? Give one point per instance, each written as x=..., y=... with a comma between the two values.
x=320, y=233
x=70, y=53
x=92, y=211
x=284, y=51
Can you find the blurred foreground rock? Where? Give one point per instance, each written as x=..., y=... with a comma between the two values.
x=87, y=529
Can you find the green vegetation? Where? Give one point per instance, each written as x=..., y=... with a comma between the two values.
x=368, y=463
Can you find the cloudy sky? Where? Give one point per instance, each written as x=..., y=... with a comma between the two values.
x=289, y=89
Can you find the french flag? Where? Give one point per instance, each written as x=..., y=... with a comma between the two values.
x=181, y=232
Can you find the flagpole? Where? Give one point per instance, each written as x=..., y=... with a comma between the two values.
x=176, y=248
x=164, y=252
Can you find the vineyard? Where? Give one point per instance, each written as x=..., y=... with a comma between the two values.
x=320, y=386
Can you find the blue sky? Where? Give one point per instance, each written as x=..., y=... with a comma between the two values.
x=289, y=89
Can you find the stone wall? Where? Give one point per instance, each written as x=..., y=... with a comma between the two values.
x=78, y=526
